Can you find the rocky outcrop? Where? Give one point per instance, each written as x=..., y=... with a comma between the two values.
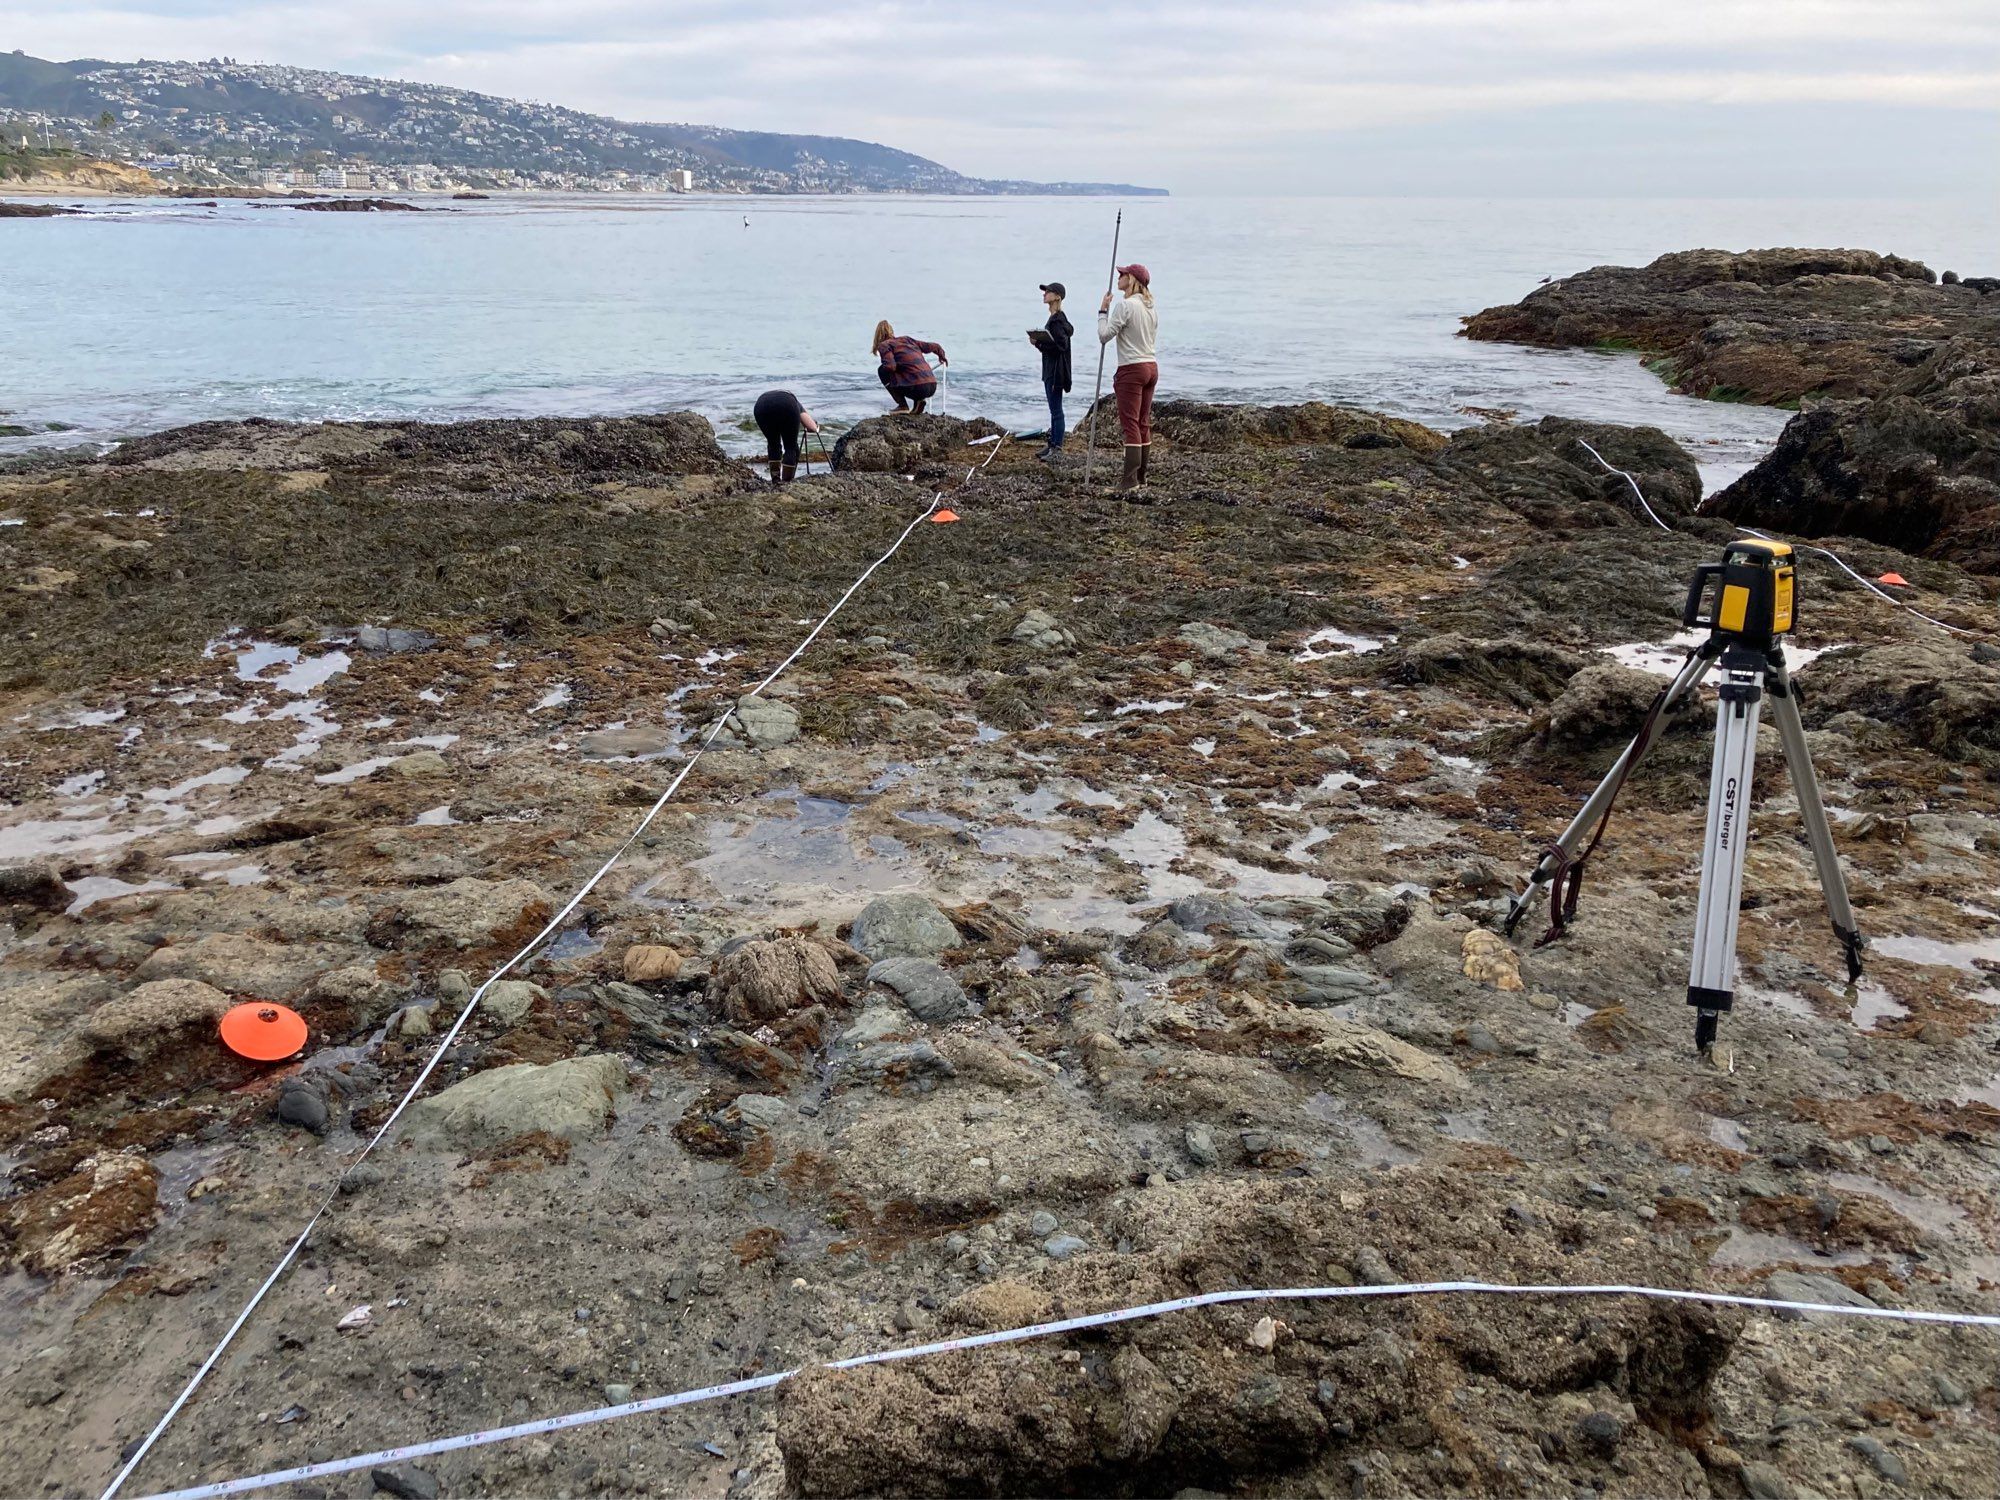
x=1917, y=468
x=571, y=1100
x=1898, y=375
x=904, y=443
x=1936, y=694
x=1209, y=427
x=1543, y=471
x=359, y=206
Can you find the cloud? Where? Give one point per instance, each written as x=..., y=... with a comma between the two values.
x=1195, y=96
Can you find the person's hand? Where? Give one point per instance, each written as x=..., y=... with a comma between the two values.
x=806, y=421
x=1105, y=305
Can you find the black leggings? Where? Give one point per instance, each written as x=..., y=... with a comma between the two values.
x=777, y=417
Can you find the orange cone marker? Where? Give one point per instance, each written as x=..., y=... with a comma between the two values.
x=263, y=1032
x=1897, y=579
x=944, y=518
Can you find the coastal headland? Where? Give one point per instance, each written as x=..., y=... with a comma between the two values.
x=1103, y=909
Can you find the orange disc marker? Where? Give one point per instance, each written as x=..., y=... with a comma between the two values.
x=263, y=1032
x=944, y=518
x=1897, y=579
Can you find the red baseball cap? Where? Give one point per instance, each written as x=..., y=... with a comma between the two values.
x=1138, y=273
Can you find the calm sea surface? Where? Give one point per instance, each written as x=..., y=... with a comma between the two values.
x=145, y=315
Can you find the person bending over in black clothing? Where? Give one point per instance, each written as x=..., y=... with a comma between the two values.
x=779, y=417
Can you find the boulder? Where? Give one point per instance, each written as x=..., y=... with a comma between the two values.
x=1543, y=471
x=467, y=913
x=1213, y=427
x=143, y=1020
x=1933, y=692
x=905, y=925
x=366, y=995
x=573, y=1099
x=770, y=978
x=1605, y=701
x=1039, y=630
x=244, y=965
x=903, y=443
x=508, y=1000
x=37, y=887
x=764, y=723
x=1524, y=672
x=929, y=993
x=651, y=963
x=634, y=742
x=380, y=640
x=1218, y=642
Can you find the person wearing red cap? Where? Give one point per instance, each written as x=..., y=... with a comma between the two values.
x=1134, y=323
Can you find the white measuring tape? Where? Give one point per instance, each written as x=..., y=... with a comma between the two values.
x=1838, y=562
x=595, y=1415
x=430, y=1065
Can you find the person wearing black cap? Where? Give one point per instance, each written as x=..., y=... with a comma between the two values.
x=1053, y=340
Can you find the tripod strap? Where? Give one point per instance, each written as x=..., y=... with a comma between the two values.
x=1566, y=877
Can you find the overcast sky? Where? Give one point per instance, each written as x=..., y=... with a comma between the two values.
x=1640, y=97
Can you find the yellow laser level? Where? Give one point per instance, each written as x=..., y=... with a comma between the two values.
x=1751, y=595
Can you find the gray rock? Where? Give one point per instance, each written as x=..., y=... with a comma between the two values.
x=1764, y=1482
x=1808, y=1286
x=917, y=1063
x=1372, y=1267
x=412, y=1022
x=1217, y=641
x=405, y=1482
x=508, y=1000
x=765, y=723
x=1042, y=1223
x=1063, y=1246
x=453, y=985
x=1602, y=1432
x=1039, y=631
x=36, y=886
x=1200, y=1142
x=876, y=1023
x=1324, y=984
x=1204, y=912
x=303, y=1105
x=617, y=1393
x=572, y=1099
x=1479, y=1039
x=1949, y=1391
x=906, y=925
x=929, y=993
x=762, y=1110
x=1886, y=1463
x=380, y=640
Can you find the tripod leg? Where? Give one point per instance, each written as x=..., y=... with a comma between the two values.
x=1819, y=832
x=1685, y=681
x=1712, y=974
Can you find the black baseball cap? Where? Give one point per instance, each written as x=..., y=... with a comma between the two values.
x=1055, y=286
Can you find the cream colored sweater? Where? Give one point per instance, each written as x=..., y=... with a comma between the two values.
x=1136, y=327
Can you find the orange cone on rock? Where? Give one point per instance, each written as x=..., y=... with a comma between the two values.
x=263, y=1032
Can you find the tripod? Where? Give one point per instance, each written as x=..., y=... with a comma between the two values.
x=1750, y=610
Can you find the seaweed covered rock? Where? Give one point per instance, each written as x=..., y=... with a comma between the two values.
x=1208, y=427
x=1918, y=468
x=1932, y=693
x=1525, y=673
x=1605, y=701
x=773, y=977
x=904, y=443
x=1545, y=473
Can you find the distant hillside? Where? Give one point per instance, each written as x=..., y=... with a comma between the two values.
x=222, y=120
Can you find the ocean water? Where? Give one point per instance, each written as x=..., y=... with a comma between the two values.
x=146, y=314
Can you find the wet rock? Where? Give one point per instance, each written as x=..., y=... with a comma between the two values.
x=1200, y=1143
x=749, y=1058
x=508, y=1000
x=1063, y=1246
x=1886, y=1463
x=1336, y=1044
x=103, y=1206
x=984, y=1063
x=418, y=764
x=898, y=1063
x=404, y=1481
x=1605, y=701
x=467, y=913
x=1810, y=1286
x=903, y=442
x=1933, y=693
x=573, y=1099
x=35, y=887
x=1042, y=1223
x=1372, y=1268
x=1362, y=916
x=1526, y=673
x=1602, y=1432
x=1326, y=985
x=647, y=963
x=1762, y=1481
x=764, y=723
x=877, y=1022
x=770, y=978
x=154, y=1015
x=243, y=964
x=1206, y=912
x=366, y=995
x=1039, y=631
x=905, y=925
x=1490, y=959
x=303, y=1105
x=928, y=991
x=380, y=640
x=1207, y=427
x=1218, y=642
x=412, y=1022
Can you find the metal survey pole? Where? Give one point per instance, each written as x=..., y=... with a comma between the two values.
x=1097, y=395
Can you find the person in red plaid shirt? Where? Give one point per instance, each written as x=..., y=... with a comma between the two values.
x=904, y=372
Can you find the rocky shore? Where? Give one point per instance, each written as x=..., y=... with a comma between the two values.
x=1103, y=910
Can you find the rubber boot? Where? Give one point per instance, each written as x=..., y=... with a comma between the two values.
x=1145, y=455
x=791, y=472
x=774, y=471
x=1134, y=457
x=917, y=405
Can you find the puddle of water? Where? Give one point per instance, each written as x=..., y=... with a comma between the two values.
x=356, y=771
x=1340, y=781
x=1085, y=912
x=91, y=889
x=220, y=776
x=809, y=848
x=926, y=817
x=1340, y=642
x=1752, y=1250
x=1024, y=843
x=1874, y=1004
x=1372, y=1146
x=431, y=741
x=61, y=836
x=430, y=695
x=1728, y=1134
x=1149, y=706
x=435, y=817
x=80, y=785
x=301, y=675
x=1660, y=658
x=1255, y=883
x=1923, y=950
x=238, y=875
x=95, y=718
x=555, y=697
x=1153, y=844
x=1933, y=1214
x=1203, y=748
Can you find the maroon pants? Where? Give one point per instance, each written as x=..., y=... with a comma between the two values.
x=1133, y=386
